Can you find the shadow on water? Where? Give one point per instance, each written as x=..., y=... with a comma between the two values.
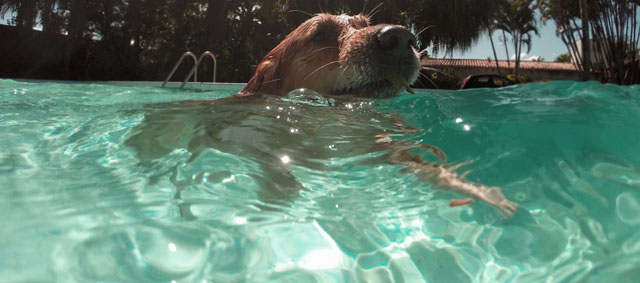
x=306, y=131
x=274, y=133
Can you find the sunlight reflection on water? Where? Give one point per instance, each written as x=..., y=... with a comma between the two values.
x=204, y=198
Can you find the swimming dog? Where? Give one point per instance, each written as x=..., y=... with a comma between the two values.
x=340, y=54
x=334, y=55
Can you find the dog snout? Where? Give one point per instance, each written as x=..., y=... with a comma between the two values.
x=396, y=40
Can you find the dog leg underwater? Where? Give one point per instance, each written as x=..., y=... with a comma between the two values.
x=445, y=177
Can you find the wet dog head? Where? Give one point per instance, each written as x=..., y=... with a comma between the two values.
x=340, y=54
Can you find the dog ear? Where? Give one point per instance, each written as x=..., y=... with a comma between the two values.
x=266, y=78
x=269, y=77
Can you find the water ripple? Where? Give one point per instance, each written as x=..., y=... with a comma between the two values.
x=100, y=185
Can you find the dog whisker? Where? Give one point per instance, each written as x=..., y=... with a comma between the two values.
x=325, y=48
x=375, y=10
x=301, y=11
x=320, y=8
x=437, y=71
x=319, y=68
x=424, y=29
x=340, y=78
x=419, y=81
x=354, y=70
x=423, y=52
x=271, y=81
x=429, y=79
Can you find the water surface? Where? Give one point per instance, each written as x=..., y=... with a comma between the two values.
x=128, y=183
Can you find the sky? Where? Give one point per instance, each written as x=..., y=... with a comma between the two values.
x=547, y=45
x=4, y=18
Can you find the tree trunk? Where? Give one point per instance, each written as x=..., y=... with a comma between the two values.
x=47, y=17
x=506, y=47
x=177, y=44
x=179, y=9
x=77, y=19
x=586, y=46
x=76, y=28
x=216, y=21
x=105, y=28
x=495, y=55
x=27, y=14
x=517, y=39
x=134, y=19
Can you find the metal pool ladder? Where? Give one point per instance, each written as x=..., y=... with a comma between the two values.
x=194, y=69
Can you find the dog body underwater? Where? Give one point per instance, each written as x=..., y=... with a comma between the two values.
x=338, y=56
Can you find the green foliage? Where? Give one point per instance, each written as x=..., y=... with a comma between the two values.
x=516, y=17
x=612, y=26
x=520, y=78
x=563, y=58
x=142, y=39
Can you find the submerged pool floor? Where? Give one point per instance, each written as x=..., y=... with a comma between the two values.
x=130, y=183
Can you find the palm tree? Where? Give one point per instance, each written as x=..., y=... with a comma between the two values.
x=517, y=19
x=26, y=12
x=493, y=47
x=453, y=24
x=506, y=47
x=457, y=24
x=586, y=45
x=611, y=26
x=491, y=28
x=50, y=20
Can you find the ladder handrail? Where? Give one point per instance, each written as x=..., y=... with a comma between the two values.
x=195, y=67
x=188, y=53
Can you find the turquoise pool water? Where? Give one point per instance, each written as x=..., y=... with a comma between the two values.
x=125, y=183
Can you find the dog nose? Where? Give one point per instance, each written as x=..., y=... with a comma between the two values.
x=396, y=39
